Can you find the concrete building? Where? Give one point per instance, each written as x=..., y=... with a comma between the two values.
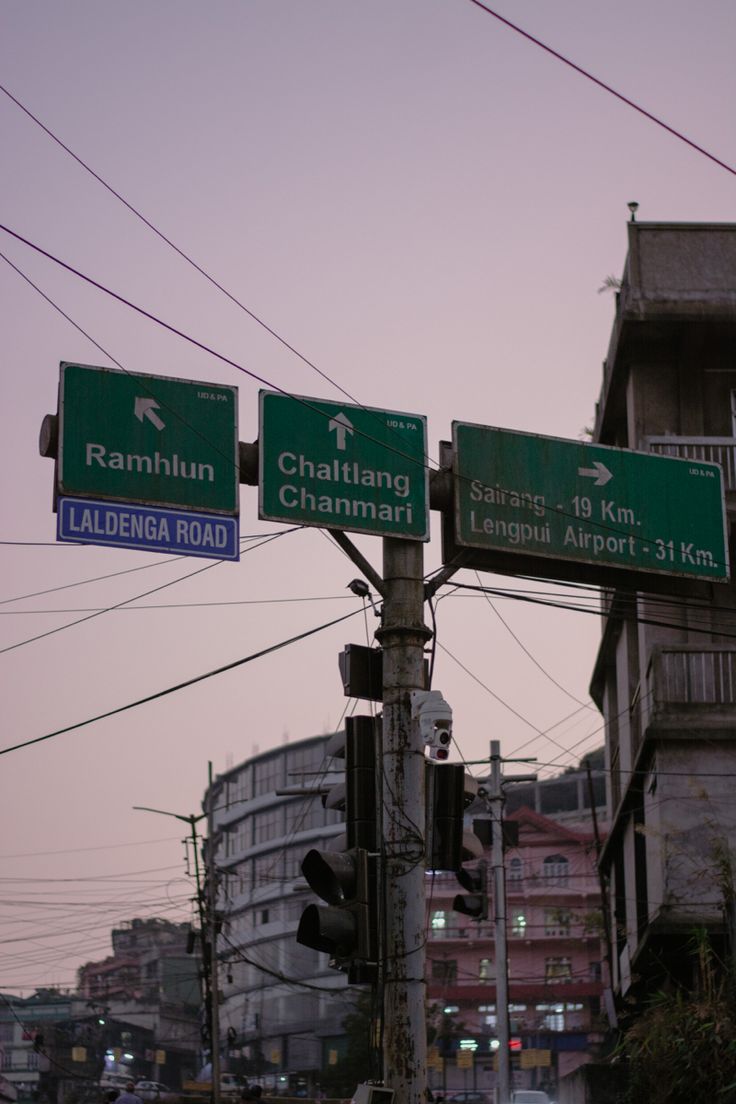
x=149, y=961
x=57, y=1045
x=665, y=676
x=150, y=981
x=283, y=1006
x=554, y=947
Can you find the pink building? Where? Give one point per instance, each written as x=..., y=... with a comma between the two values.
x=555, y=958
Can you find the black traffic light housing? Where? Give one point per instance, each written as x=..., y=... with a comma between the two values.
x=345, y=927
x=449, y=792
x=474, y=903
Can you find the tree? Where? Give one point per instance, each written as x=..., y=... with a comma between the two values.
x=682, y=1049
x=359, y=1062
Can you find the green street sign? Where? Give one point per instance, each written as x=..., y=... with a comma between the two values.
x=137, y=438
x=343, y=467
x=525, y=495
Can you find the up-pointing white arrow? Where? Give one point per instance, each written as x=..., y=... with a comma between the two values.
x=342, y=425
x=599, y=472
x=146, y=408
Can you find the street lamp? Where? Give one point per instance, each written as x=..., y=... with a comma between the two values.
x=209, y=962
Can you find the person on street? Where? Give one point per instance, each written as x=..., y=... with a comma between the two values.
x=129, y=1096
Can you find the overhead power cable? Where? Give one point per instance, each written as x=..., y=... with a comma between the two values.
x=237, y=953
x=127, y=571
x=118, y=605
x=306, y=403
x=181, y=685
x=95, y=847
x=606, y=87
x=526, y=651
x=186, y=257
x=602, y=612
x=141, y=379
x=107, y=609
x=180, y=252
x=180, y=605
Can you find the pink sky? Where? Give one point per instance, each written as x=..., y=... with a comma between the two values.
x=420, y=201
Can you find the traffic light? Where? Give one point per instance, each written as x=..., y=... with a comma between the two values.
x=474, y=903
x=346, y=926
x=449, y=792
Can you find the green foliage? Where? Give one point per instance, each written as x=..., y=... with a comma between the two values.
x=358, y=1063
x=682, y=1050
x=611, y=283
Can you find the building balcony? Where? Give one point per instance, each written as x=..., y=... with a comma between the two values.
x=467, y=932
x=464, y=991
x=686, y=686
x=714, y=450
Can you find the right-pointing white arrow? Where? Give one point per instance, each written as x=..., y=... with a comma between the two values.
x=599, y=472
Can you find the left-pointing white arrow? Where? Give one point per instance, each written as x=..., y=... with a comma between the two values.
x=599, y=473
x=146, y=408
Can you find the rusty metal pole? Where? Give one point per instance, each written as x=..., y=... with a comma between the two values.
x=496, y=801
x=212, y=911
x=402, y=636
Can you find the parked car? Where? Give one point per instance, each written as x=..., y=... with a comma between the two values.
x=471, y=1096
x=229, y=1084
x=155, y=1091
x=115, y=1081
x=529, y=1096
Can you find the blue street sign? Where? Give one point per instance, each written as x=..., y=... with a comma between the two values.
x=148, y=528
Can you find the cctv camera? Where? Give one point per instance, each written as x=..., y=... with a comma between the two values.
x=433, y=716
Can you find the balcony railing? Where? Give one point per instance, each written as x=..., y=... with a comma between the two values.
x=469, y=932
x=681, y=676
x=714, y=450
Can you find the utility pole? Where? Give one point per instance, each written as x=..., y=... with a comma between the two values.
x=192, y=821
x=212, y=909
x=495, y=800
x=403, y=636
x=498, y=870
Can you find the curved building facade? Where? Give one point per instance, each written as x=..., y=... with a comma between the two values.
x=282, y=1006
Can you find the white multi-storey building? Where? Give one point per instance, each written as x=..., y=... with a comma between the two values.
x=283, y=1007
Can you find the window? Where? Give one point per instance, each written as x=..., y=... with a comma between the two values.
x=32, y=1060
x=555, y=869
x=518, y=924
x=515, y=870
x=6, y=1059
x=242, y=836
x=268, y=825
x=486, y=969
x=269, y=774
x=595, y=971
x=557, y=969
x=553, y=1016
x=267, y=869
x=439, y=920
x=444, y=970
x=556, y=921
x=303, y=761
